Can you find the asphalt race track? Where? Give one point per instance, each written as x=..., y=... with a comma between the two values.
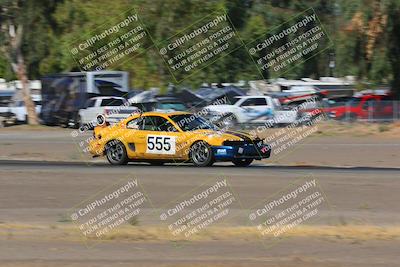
x=41, y=192
x=30, y=185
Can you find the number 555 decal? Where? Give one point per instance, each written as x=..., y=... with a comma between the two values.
x=160, y=144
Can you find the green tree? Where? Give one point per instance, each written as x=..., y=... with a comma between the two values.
x=393, y=36
x=13, y=30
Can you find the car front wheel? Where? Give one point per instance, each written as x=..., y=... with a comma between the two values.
x=116, y=153
x=242, y=162
x=201, y=154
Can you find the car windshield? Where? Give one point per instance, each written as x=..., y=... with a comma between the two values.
x=172, y=105
x=235, y=100
x=190, y=122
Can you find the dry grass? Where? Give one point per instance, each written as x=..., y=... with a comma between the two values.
x=357, y=129
x=158, y=233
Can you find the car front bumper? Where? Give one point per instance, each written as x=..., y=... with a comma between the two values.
x=246, y=151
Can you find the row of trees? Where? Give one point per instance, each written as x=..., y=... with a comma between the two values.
x=36, y=37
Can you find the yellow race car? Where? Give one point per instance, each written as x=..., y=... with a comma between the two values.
x=157, y=138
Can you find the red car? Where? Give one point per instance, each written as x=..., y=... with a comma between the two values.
x=369, y=106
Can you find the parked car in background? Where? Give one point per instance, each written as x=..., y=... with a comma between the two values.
x=297, y=95
x=7, y=118
x=207, y=95
x=159, y=103
x=5, y=99
x=367, y=106
x=64, y=94
x=169, y=104
x=19, y=109
x=254, y=109
x=113, y=108
x=16, y=112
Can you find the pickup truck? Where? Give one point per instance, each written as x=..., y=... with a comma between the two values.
x=7, y=118
x=113, y=108
x=367, y=107
x=16, y=109
x=254, y=109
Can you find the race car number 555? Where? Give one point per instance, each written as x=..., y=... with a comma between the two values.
x=160, y=144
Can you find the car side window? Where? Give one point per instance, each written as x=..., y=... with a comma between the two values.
x=167, y=126
x=156, y=123
x=135, y=124
x=149, y=123
x=113, y=102
x=254, y=102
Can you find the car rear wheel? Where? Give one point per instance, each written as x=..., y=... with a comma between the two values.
x=201, y=154
x=77, y=122
x=242, y=162
x=116, y=153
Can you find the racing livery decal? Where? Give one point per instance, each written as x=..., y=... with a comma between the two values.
x=161, y=144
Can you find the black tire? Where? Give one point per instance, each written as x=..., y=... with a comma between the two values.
x=201, y=154
x=77, y=121
x=242, y=162
x=116, y=153
x=80, y=124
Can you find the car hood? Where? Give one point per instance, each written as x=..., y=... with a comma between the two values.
x=231, y=135
x=221, y=107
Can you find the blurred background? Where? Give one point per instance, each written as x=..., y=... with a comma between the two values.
x=37, y=36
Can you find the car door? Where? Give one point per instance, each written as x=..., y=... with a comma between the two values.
x=157, y=139
x=367, y=108
x=386, y=108
x=257, y=109
x=133, y=138
x=88, y=113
